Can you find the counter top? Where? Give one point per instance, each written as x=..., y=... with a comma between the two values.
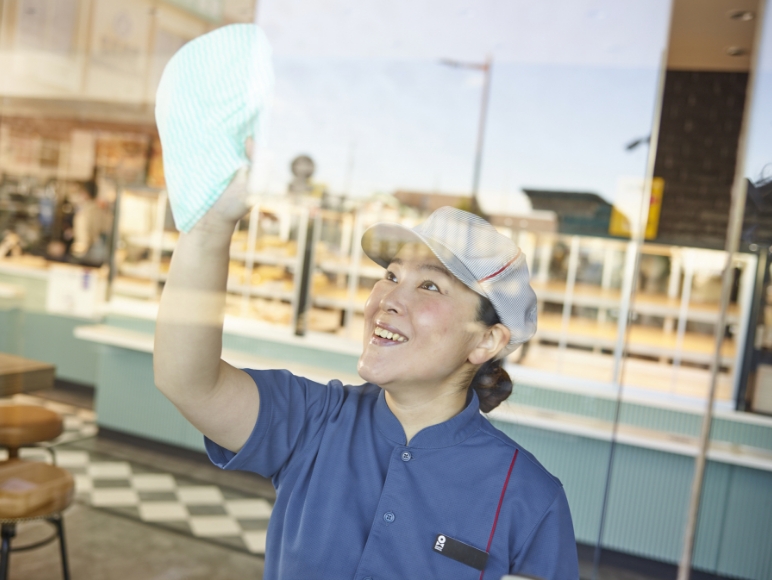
x=143, y=342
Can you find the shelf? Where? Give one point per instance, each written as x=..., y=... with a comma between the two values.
x=274, y=290
x=344, y=267
x=338, y=298
x=643, y=340
x=651, y=304
x=597, y=368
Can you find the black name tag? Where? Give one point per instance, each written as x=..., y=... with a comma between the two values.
x=461, y=552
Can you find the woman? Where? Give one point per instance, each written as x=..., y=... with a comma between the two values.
x=401, y=477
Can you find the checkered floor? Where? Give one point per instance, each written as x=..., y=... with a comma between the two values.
x=184, y=505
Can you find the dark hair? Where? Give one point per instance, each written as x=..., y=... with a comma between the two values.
x=491, y=381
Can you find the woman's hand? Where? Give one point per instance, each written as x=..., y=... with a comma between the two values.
x=234, y=203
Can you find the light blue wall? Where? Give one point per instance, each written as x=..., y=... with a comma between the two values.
x=648, y=502
x=32, y=332
x=127, y=400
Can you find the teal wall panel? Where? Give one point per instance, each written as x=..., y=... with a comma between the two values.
x=128, y=401
x=640, y=415
x=648, y=498
x=49, y=338
x=711, y=528
x=742, y=433
x=579, y=463
x=11, y=330
x=562, y=401
x=746, y=551
x=35, y=290
x=648, y=502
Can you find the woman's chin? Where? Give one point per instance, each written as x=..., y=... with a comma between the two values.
x=371, y=371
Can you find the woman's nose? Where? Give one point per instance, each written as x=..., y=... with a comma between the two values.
x=392, y=300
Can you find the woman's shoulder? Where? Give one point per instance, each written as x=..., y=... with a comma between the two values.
x=527, y=465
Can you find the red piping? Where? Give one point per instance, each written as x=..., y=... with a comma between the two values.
x=500, y=270
x=498, y=509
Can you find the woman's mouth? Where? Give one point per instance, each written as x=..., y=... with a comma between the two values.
x=388, y=336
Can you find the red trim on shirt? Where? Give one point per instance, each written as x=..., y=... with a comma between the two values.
x=501, y=501
x=500, y=270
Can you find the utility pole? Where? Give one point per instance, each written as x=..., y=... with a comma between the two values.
x=486, y=67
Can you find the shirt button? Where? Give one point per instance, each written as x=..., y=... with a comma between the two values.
x=389, y=517
x=368, y=578
x=406, y=456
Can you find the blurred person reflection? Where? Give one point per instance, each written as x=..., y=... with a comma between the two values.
x=89, y=227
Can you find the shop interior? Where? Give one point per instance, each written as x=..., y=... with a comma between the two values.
x=626, y=245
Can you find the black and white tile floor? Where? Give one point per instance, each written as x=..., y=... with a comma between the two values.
x=218, y=514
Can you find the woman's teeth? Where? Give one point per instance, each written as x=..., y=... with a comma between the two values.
x=383, y=333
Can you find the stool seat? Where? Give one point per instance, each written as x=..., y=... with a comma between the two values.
x=32, y=490
x=22, y=425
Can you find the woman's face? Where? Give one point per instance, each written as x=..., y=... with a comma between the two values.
x=420, y=323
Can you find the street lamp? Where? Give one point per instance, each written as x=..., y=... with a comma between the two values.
x=486, y=68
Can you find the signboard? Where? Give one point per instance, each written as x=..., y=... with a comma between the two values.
x=625, y=215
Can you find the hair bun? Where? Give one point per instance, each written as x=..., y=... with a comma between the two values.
x=492, y=384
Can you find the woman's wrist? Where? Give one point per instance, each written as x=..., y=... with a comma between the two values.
x=212, y=231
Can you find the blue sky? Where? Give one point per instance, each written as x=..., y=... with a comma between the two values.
x=360, y=88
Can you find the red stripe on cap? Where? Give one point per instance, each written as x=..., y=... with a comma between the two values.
x=498, y=509
x=500, y=270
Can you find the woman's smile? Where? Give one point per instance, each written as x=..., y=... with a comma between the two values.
x=385, y=335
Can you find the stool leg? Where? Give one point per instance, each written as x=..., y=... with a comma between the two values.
x=7, y=531
x=59, y=523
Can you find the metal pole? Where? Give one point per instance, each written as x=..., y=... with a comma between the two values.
x=487, y=69
x=626, y=308
x=736, y=214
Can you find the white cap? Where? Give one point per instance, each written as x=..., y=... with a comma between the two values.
x=485, y=260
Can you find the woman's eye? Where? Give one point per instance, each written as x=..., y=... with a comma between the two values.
x=390, y=276
x=429, y=285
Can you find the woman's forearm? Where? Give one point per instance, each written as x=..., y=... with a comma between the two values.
x=188, y=337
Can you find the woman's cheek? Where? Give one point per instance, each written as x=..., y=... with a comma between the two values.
x=440, y=320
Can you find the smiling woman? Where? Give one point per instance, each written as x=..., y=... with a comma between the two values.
x=402, y=476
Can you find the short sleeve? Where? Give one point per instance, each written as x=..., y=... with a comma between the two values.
x=550, y=553
x=293, y=410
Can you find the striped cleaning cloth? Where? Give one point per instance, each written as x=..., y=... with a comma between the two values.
x=214, y=93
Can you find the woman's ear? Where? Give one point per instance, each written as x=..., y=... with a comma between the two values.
x=493, y=340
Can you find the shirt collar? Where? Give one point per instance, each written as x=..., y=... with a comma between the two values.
x=446, y=434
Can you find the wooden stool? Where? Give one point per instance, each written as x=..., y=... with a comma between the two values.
x=22, y=425
x=30, y=490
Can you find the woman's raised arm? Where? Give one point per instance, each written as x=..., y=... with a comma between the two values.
x=218, y=399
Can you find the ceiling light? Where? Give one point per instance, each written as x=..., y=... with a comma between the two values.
x=736, y=51
x=743, y=15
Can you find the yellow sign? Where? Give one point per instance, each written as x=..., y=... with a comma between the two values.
x=619, y=224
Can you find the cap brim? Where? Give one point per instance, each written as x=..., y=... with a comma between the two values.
x=382, y=242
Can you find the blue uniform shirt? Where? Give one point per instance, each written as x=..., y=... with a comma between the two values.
x=354, y=502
